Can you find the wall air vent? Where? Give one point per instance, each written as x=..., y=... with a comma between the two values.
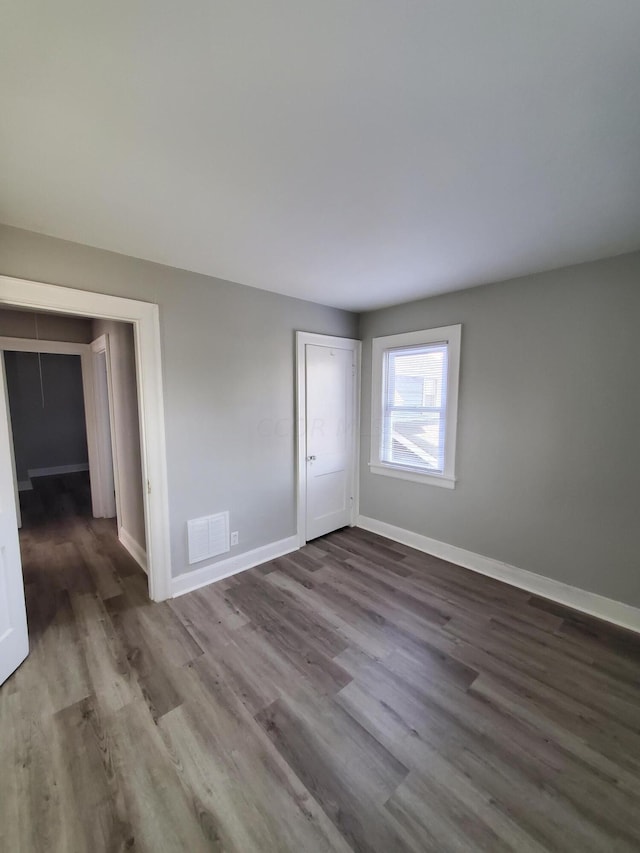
x=208, y=536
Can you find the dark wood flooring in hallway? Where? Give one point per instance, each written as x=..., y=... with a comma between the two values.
x=355, y=695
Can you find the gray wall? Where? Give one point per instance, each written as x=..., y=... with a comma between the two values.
x=548, y=454
x=56, y=434
x=228, y=363
x=548, y=450
x=127, y=424
x=50, y=327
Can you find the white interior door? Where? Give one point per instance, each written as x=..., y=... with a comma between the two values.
x=14, y=640
x=329, y=439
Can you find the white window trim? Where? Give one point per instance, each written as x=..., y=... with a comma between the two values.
x=445, y=334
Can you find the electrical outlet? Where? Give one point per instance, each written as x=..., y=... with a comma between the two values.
x=234, y=537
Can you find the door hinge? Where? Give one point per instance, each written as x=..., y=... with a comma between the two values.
x=148, y=487
x=353, y=370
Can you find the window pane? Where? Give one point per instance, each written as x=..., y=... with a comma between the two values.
x=415, y=379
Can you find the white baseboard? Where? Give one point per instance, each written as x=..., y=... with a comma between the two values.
x=571, y=596
x=134, y=548
x=57, y=470
x=232, y=565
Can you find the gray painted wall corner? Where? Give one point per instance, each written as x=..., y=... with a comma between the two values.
x=548, y=457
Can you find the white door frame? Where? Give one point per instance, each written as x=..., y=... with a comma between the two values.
x=14, y=637
x=302, y=339
x=97, y=347
x=12, y=450
x=145, y=318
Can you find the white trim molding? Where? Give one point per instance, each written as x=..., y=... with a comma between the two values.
x=134, y=548
x=191, y=581
x=145, y=318
x=412, y=476
x=591, y=603
x=38, y=345
x=107, y=475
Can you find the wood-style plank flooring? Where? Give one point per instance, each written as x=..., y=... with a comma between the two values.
x=355, y=695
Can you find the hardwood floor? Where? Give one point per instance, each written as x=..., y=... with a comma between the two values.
x=355, y=695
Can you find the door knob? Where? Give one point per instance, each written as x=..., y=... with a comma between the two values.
x=311, y=458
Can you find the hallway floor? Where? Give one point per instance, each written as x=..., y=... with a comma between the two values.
x=353, y=696
x=65, y=550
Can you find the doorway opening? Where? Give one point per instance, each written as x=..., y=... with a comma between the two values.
x=74, y=407
x=142, y=320
x=75, y=436
x=46, y=417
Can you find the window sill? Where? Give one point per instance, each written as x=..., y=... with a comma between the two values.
x=413, y=476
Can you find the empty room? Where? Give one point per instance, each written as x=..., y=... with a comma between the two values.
x=319, y=419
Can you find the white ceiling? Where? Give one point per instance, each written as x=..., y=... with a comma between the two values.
x=351, y=152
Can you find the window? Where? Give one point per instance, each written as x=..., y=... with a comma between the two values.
x=415, y=401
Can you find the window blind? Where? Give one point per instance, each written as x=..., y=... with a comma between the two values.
x=415, y=407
